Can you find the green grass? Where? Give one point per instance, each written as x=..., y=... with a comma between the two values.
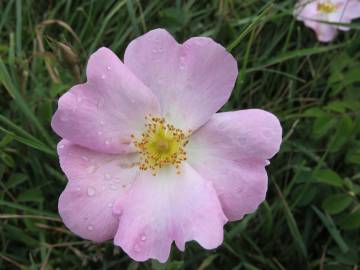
x=311, y=217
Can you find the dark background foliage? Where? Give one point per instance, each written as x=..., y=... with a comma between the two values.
x=311, y=217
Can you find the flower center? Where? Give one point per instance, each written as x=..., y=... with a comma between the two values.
x=326, y=7
x=160, y=145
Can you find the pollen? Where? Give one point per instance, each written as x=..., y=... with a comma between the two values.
x=160, y=145
x=326, y=7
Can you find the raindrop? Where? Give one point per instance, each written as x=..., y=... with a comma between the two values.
x=182, y=67
x=102, y=122
x=136, y=248
x=61, y=146
x=110, y=205
x=91, y=191
x=99, y=132
x=85, y=158
x=154, y=50
x=113, y=187
x=103, y=76
x=107, y=142
x=143, y=237
x=91, y=169
x=77, y=188
x=107, y=176
x=221, y=126
x=117, y=180
x=63, y=118
x=108, y=68
x=90, y=227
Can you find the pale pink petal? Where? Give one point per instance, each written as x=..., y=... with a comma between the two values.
x=192, y=80
x=102, y=113
x=96, y=182
x=231, y=150
x=165, y=208
x=325, y=32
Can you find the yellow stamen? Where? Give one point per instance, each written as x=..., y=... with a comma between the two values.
x=160, y=145
x=326, y=7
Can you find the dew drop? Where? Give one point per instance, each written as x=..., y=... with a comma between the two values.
x=91, y=191
x=102, y=122
x=61, y=146
x=107, y=176
x=90, y=227
x=103, y=76
x=221, y=126
x=154, y=50
x=143, y=237
x=107, y=142
x=85, y=158
x=113, y=187
x=91, y=169
x=108, y=68
x=77, y=188
x=182, y=67
x=63, y=118
x=110, y=205
x=99, y=132
x=267, y=162
x=136, y=248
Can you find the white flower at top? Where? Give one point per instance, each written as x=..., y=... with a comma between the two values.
x=315, y=14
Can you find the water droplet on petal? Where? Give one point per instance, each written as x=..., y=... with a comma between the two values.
x=107, y=176
x=77, y=188
x=143, y=237
x=113, y=187
x=107, y=142
x=154, y=50
x=110, y=205
x=103, y=76
x=85, y=158
x=91, y=169
x=63, y=118
x=99, y=132
x=136, y=248
x=91, y=191
x=267, y=162
x=102, y=122
x=108, y=68
x=182, y=67
x=90, y=227
x=61, y=146
x=221, y=126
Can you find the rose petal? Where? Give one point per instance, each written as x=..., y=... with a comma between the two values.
x=166, y=208
x=102, y=113
x=231, y=150
x=195, y=78
x=96, y=182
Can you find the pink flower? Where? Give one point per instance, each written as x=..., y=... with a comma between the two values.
x=149, y=161
x=335, y=11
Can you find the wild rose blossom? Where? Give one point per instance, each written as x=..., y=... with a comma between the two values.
x=311, y=12
x=148, y=159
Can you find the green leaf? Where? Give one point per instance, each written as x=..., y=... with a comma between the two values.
x=351, y=221
x=336, y=203
x=31, y=195
x=15, y=180
x=343, y=132
x=328, y=177
x=332, y=229
x=323, y=125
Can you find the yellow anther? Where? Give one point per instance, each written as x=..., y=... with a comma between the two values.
x=160, y=145
x=326, y=7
